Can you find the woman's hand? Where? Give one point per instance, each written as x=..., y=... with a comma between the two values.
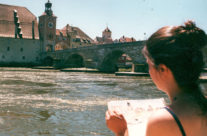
x=116, y=123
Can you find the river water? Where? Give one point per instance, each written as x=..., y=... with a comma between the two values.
x=53, y=103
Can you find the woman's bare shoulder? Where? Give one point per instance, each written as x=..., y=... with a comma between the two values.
x=162, y=123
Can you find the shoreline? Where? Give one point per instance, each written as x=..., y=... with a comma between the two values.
x=202, y=79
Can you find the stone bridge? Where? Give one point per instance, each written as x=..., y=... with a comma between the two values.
x=102, y=57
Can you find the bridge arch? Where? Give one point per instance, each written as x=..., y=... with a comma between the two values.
x=114, y=60
x=75, y=61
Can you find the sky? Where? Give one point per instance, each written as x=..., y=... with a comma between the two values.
x=131, y=18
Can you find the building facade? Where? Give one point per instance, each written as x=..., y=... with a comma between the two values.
x=71, y=37
x=19, y=36
x=24, y=40
x=106, y=37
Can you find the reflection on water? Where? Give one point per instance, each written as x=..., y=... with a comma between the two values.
x=53, y=103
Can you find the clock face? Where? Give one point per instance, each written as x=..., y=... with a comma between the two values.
x=50, y=25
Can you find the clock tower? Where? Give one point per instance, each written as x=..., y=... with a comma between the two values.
x=47, y=28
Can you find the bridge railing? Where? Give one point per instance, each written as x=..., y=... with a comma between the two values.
x=101, y=45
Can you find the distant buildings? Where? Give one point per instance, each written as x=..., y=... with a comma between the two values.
x=24, y=40
x=124, y=61
x=106, y=38
x=126, y=39
x=60, y=39
x=71, y=37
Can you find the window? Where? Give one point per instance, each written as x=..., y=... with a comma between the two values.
x=50, y=36
x=3, y=57
x=8, y=48
x=78, y=40
x=21, y=49
x=23, y=57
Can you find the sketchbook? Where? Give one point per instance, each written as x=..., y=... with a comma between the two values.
x=136, y=113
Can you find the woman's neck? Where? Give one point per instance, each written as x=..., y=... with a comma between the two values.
x=180, y=96
x=174, y=93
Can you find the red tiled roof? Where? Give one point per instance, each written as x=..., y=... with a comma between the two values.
x=7, y=27
x=59, y=31
x=68, y=27
x=78, y=32
x=81, y=33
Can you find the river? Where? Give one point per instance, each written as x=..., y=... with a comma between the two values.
x=53, y=103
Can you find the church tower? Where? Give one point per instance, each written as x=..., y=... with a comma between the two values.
x=106, y=34
x=47, y=28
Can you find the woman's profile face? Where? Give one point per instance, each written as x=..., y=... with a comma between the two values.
x=154, y=74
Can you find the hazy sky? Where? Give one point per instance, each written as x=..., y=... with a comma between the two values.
x=131, y=18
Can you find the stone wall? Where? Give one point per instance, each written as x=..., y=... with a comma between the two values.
x=19, y=52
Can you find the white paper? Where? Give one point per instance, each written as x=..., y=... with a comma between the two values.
x=136, y=113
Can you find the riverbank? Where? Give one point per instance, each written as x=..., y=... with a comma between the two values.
x=203, y=77
x=131, y=74
x=80, y=70
x=89, y=70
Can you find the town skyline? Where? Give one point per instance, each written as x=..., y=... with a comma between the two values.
x=137, y=18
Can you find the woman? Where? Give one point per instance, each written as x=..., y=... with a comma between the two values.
x=175, y=61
